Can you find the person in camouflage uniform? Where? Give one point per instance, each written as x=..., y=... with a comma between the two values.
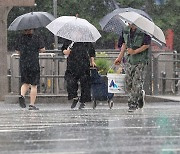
x=134, y=46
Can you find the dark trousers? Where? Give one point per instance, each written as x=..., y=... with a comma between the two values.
x=72, y=86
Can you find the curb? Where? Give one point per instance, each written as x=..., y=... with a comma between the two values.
x=63, y=98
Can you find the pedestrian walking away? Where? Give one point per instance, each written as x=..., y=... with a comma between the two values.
x=134, y=44
x=80, y=58
x=28, y=45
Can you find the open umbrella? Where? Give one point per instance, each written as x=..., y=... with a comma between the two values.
x=112, y=23
x=74, y=29
x=144, y=24
x=31, y=20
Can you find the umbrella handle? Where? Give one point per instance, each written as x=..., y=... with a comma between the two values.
x=71, y=45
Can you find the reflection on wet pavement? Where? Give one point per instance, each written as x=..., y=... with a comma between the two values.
x=58, y=130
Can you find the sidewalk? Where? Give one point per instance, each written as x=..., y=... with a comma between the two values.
x=56, y=129
x=169, y=97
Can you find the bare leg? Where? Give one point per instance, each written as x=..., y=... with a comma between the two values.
x=24, y=89
x=33, y=94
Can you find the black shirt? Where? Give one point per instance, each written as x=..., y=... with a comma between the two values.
x=79, y=58
x=28, y=46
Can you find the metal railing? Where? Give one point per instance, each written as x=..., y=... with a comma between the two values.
x=52, y=70
x=166, y=71
x=48, y=73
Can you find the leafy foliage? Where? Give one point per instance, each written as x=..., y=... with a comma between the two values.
x=102, y=63
x=165, y=16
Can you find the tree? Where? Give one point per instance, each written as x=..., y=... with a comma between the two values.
x=17, y=11
x=165, y=16
x=92, y=10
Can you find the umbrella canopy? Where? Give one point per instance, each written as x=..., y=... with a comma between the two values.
x=31, y=20
x=144, y=24
x=74, y=29
x=112, y=23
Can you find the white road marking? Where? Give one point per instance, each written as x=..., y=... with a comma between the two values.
x=171, y=150
x=22, y=130
x=57, y=140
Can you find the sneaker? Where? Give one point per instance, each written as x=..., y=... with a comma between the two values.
x=132, y=109
x=82, y=105
x=142, y=101
x=22, y=102
x=74, y=103
x=32, y=107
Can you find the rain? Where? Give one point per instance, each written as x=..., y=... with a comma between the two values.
x=57, y=129
x=44, y=115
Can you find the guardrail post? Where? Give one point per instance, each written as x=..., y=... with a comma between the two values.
x=176, y=82
x=155, y=76
x=175, y=66
x=163, y=75
x=9, y=80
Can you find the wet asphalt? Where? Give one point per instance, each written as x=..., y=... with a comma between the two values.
x=56, y=129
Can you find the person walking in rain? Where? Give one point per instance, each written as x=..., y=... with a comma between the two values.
x=80, y=58
x=28, y=46
x=134, y=46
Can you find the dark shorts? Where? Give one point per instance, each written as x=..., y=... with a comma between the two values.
x=30, y=77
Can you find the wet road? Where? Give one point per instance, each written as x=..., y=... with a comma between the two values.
x=55, y=129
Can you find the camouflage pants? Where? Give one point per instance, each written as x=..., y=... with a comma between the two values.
x=135, y=75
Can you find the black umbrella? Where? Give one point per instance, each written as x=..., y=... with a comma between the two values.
x=113, y=23
x=31, y=20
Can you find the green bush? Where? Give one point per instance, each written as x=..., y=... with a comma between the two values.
x=103, y=64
